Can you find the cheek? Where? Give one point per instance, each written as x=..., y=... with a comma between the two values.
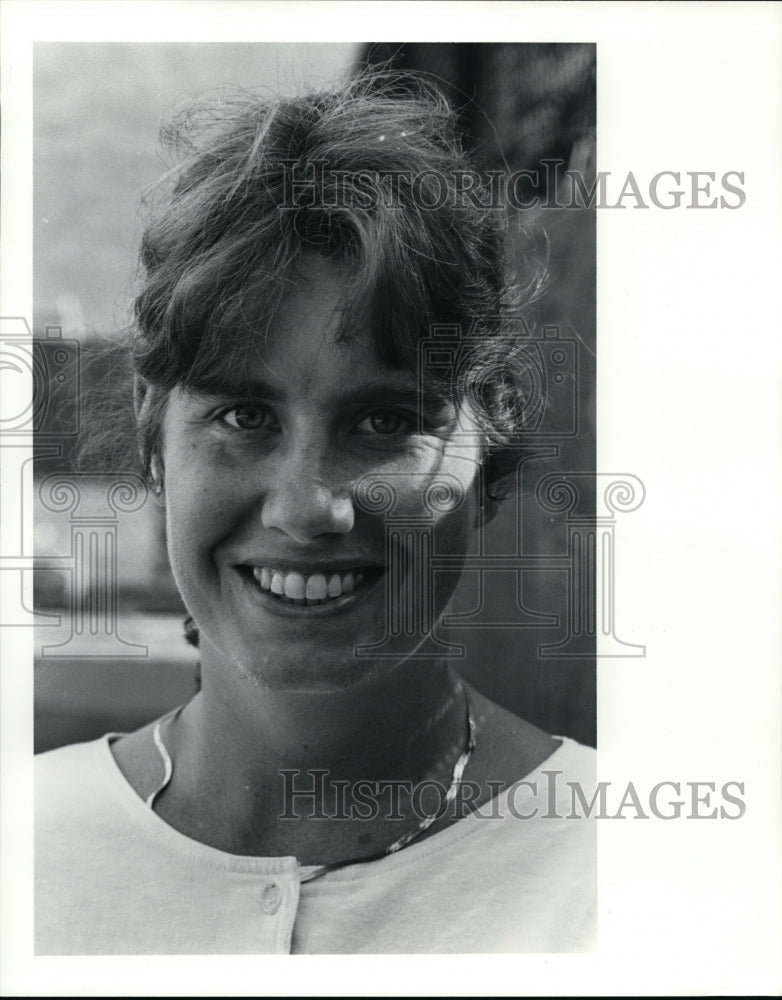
x=441, y=507
x=428, y=553
x=186, y=531
x=199, y=511
x=455, y=536
x=424, y=494
x=200, y=489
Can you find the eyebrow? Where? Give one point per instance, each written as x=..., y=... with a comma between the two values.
x=408, y=394
x=247, y=388
x=381, y=392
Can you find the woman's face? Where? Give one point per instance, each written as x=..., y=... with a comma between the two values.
x=281, y=536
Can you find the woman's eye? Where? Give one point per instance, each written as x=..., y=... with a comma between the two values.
x=383, y=422
x=246, y=418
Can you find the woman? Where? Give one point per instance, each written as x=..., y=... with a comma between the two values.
x=333, y=787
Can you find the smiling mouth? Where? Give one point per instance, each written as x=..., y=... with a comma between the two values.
x=297, y=589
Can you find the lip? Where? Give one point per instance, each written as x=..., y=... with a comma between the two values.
x=336, y=606
x=286, y=565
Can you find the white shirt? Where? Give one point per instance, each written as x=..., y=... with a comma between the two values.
x=113, y=878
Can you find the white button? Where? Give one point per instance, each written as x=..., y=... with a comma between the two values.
x=272, y=897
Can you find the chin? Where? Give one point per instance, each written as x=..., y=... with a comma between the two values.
x=305, y=675
x=299, y=653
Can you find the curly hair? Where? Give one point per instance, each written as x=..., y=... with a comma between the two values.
x=371, y=175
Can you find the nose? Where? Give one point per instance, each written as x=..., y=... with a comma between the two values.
x=307, y=497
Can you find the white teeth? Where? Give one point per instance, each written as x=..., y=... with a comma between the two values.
x=294, y=586
x=316, y=587
x=302, y=588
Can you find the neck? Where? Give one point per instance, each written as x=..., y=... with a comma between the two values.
x=405, y=723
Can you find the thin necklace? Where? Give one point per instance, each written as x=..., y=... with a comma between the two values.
x=310, y=872
x=316, y=871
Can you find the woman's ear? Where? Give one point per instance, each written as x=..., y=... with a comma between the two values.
x=140, y=396
x=487, y=511
x=488, y=505
x=149, y=404
x=156, y=478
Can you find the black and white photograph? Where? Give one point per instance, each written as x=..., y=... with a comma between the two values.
x=388, y=499
x=362, y=326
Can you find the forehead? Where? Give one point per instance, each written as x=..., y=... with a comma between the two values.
x=300, y=350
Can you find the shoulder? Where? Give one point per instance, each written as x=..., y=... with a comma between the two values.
x=525, y=827
x=509, y=749
x=538, y=840
x=82, y=790
x=76, y=798
x=69, y=770
x=77, y=823
x=97, y=851
x=518, y=874
x=539, y=783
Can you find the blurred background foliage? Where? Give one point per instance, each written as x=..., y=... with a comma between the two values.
x=97, y=112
